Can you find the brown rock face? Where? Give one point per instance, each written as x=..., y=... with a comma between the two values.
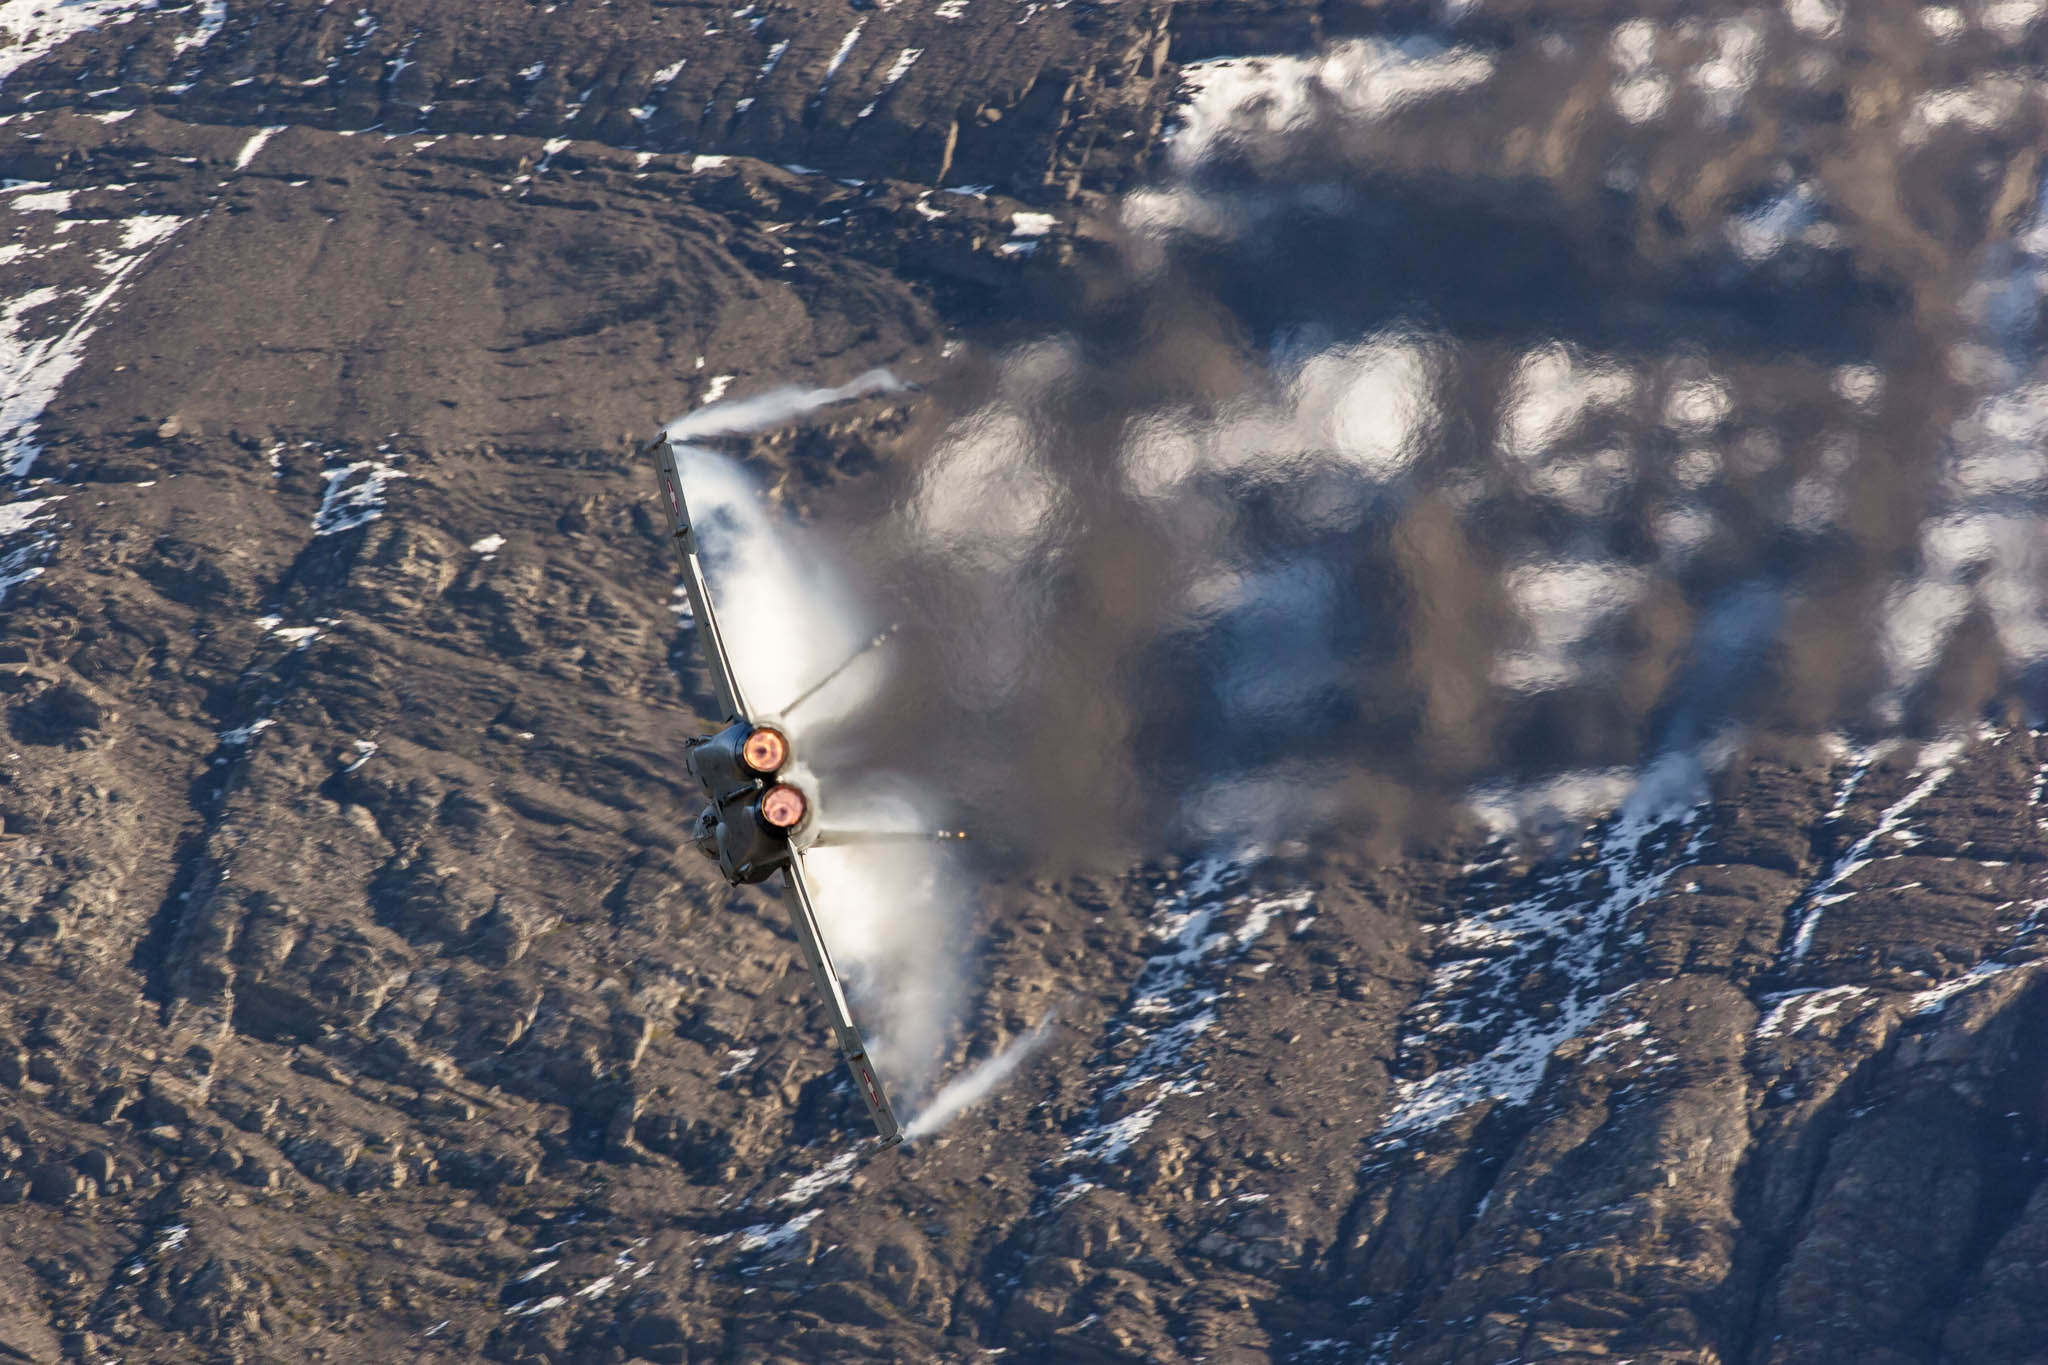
x=357, y=1004
x=971, y=95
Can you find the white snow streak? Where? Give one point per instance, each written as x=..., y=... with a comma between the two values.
x=1473, y=989
x=1025, y=230
x=806, y=1188
x=1935, y=763
x=38, y=350
x=19, y=516
x=773, y=1236
x=1935, y=1000
x=212, y=15
x=905, y=59
x=18, y=522
x=1173, y=1004
x=1794, y=1010
x=245, y=733
x=354, y=496
x=255, y=145
x=32, y=29
x=840, y=55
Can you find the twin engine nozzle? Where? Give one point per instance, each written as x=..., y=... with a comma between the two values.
x=735, y=762
x=765, y=750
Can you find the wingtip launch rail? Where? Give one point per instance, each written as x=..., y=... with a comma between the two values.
x=759, y=822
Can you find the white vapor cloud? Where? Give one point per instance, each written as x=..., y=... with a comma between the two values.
x=892, y=913
x=976, y=1086
x=774, y=407
x=788, y=616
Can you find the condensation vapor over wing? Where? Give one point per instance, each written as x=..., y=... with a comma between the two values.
x=788, y=618
x=790, y=615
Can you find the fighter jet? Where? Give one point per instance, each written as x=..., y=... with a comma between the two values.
x=759, y=817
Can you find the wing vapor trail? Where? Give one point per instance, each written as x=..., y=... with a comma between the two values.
x=774, y=407
x=961, y=1093
x=892, y=909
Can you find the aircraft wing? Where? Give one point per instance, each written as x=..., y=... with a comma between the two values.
x=803, y=915
x=723, y=680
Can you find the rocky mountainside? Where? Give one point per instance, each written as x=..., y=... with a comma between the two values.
x=1574, y=886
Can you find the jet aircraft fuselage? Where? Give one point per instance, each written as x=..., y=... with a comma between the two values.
x=759, y=819
x=755, y=818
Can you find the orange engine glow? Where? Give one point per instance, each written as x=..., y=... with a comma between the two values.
x=765, y=750
x=783, y=806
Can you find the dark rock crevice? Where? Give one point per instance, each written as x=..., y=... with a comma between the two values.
x=1775, y=1190
x=1917, y=1090
x=165, y=953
